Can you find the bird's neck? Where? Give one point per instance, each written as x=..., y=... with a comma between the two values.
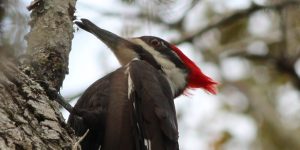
x=177, y=79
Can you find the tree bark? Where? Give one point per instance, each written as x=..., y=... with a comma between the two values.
x=49, y=41
x=29, y=116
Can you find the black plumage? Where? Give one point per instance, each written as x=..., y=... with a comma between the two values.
x=121, y=119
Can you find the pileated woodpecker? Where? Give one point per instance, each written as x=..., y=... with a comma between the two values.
x=132, y=108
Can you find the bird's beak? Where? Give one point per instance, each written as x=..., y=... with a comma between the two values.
x=121, y=47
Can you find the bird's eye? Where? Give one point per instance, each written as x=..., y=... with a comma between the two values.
x=155, y=42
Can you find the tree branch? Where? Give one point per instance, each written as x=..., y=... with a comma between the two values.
x=235, y=16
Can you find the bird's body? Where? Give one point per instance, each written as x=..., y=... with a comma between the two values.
x=132, y=108
x=131, y=118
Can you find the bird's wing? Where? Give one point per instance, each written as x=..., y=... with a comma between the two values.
x=92, y=102
x=90, y=112
x=153, y=104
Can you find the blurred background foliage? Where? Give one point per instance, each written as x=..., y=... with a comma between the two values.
x=252, y=47
x=13, y=27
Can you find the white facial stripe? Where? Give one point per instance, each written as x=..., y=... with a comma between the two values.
x=146, y=46
x=160, y=58
x=175, y=76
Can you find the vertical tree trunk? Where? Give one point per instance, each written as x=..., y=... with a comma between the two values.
x=29, y=118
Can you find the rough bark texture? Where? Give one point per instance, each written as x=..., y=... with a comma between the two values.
x=49, y=41
x=29, y=118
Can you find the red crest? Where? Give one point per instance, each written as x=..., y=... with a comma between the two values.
x=196, y=79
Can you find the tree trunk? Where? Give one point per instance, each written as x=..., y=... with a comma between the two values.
x=29, y=116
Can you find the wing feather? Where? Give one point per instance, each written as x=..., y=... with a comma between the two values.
x=156, y=100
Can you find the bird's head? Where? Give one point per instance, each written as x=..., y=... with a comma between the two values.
x=181, y=72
